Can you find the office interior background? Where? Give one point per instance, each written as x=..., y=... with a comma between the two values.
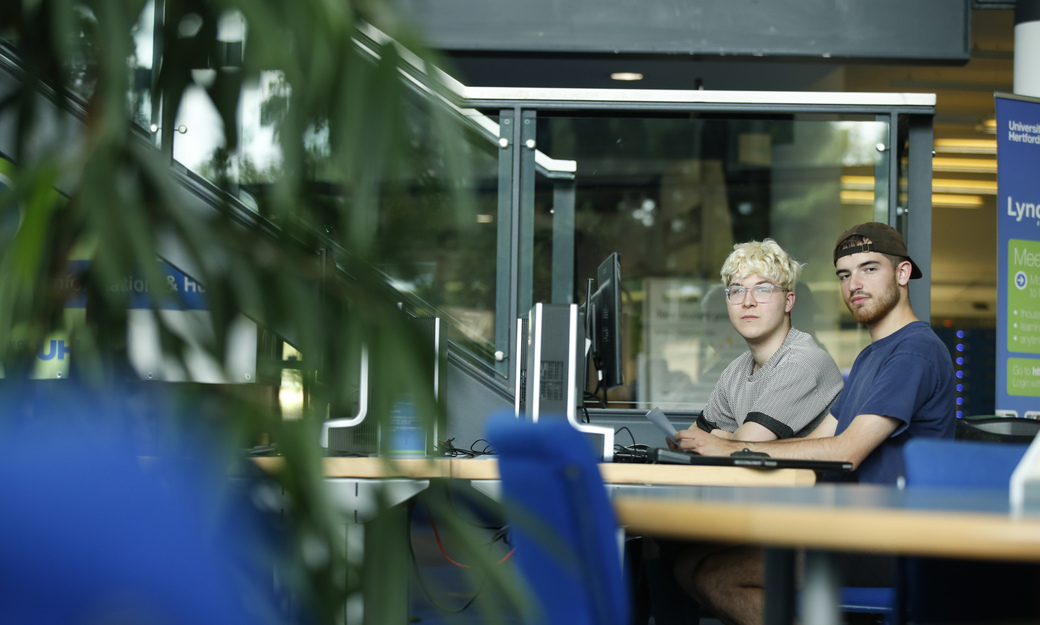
x=963, y=237
x=675, y=219
x=671, y=191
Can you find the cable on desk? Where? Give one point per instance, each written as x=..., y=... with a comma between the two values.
x=487, y=447
x=448, y=448
x=638, y=453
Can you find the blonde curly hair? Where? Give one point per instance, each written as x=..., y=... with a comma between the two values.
x=765, y=258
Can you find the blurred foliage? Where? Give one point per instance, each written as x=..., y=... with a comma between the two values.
x=344, y=204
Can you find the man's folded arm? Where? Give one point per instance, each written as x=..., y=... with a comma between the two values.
x=863, y=435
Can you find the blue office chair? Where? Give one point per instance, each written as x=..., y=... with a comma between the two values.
x=942, y=590
x=88, y=535
x=562, y=525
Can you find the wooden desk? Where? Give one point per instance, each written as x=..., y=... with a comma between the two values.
x=358, y=487
x=937, y=522
x=965, y=523
x=670, y=474
x=370, y=468
x=613, y=473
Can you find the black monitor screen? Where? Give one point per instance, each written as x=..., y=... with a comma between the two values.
x=605, y=324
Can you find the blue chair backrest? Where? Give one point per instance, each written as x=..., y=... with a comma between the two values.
x=561, y=522
x=88, y=533
x=965, y=591
x=960, y=463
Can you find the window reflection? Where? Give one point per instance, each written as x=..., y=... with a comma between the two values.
x=439, y=255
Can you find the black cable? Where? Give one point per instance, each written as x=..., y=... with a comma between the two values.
x=501, y=534
x=602, y=401
x=630, y=435
x=422, y=583
x=448, y=448
x=488, y=449
x=599, y=387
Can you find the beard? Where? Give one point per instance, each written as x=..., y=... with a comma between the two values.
x=877, y=307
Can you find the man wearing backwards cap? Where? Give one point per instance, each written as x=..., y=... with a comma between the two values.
x=900, y=386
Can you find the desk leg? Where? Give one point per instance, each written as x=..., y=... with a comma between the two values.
x=354, y=610
x=820, y=593
x=376, y=534
x=779, y=586
x=385, y=585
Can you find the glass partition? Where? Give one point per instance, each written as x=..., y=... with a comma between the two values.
x=673, y=193
x=443, y=254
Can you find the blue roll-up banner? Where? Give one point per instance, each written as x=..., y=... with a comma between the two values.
x=1018, y=256
x=176, y=291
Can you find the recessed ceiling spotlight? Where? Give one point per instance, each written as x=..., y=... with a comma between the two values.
x=627, y=76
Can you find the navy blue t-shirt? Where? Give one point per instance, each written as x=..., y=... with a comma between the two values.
x=908, y=376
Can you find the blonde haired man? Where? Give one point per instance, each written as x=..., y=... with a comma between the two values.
x=784, y=384
x=781, y=387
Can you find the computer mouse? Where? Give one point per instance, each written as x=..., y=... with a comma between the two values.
x=747, y=453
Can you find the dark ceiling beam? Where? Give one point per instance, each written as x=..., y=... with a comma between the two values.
x=933, y=31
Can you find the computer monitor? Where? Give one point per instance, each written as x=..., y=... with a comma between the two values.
x=603, y=325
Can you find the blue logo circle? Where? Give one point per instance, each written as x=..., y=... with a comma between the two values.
x=1021, y=281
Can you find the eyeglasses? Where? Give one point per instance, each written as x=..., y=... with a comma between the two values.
x=762, y=293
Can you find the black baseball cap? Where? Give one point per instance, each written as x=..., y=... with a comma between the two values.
x=884, y=239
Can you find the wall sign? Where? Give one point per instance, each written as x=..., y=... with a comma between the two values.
x=1018, y=256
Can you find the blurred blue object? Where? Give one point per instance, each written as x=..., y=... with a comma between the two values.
x=92, y=533
x=561, y=522
x=869, y=600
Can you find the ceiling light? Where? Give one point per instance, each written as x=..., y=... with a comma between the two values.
x=965, y=165
x=988, y=126
x=966, y=146
x=984, y=187
x=857, y=197
x=957, y=201
x=626, y=76
x=484, y=218
x=860, y=183
x=945, y=200
x=939, y=185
